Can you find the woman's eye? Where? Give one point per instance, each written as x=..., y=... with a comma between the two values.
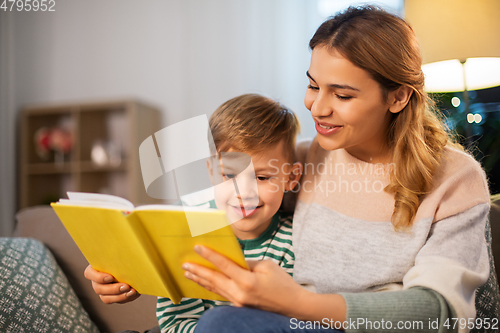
x=262, y=178
x=229, y=176
x=312, y=87
x=344, y=98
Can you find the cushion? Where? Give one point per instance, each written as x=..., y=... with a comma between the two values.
x=35, y=295
x=495, y=230
x=487, y=296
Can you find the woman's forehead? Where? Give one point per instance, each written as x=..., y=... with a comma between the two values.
x=330, y=67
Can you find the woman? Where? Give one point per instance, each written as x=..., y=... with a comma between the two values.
x=374, y=127
x=389, y=225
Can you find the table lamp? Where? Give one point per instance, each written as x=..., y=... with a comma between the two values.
x=460, y=43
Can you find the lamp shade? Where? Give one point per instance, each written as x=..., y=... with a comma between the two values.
x=460, y=42
x=449, y=75
x=455, y=29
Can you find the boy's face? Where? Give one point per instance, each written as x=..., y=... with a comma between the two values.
x=259, y=192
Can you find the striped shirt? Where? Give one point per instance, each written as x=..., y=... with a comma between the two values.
x=274, y=244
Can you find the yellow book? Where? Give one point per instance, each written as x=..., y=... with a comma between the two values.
x=146, y=246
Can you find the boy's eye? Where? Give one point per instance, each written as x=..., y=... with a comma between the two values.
x=229, y=176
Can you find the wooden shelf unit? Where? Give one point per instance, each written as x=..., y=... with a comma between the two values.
x=125, y=123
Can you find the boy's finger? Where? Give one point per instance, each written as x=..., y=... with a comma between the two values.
x=130, y=298
x=124, y=298
x=111, y=288
x=96, y=276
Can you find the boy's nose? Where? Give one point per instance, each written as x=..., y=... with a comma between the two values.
x=246, y=188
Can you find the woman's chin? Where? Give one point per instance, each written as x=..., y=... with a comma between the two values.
x=327, y=143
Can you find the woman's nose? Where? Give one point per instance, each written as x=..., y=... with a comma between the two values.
x=321, y=107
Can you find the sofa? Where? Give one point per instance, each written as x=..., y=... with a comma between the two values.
x=83, y=308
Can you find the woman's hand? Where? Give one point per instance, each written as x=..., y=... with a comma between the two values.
x=265, y=286
x=109, y=290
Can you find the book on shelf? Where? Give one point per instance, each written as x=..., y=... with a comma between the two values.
x=145, y=246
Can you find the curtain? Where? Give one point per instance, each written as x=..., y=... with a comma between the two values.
x=8, y=192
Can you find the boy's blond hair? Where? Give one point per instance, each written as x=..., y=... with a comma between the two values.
x=253, y=123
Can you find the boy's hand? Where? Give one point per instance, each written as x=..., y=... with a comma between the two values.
x=109, y=290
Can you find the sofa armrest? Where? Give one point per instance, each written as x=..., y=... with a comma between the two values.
x=42, y=223
x=495, y=230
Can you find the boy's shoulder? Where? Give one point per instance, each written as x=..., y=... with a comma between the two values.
x=284, y=216
x=284, y=222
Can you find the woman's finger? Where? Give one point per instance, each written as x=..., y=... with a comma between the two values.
x=199, y=280
x=205, y=277
x=253, y=263
x=231, y=281
x=223, y=264
x=211, y=280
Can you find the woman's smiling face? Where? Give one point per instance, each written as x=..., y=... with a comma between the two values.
x=347, y=105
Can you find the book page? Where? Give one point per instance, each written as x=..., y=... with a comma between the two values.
x=95, y=204
x=113, y=200
x=176, y=208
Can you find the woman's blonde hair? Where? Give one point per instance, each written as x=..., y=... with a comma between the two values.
x=386, y=47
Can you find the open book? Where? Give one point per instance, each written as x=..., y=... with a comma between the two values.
x=145, y=246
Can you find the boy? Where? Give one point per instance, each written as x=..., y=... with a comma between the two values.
x=266, y=131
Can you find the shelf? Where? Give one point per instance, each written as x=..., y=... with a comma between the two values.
x=119, y=127
x=34, y=122
x=67, y=167
x=89, y=166
x=47, y=188
x=49, y=168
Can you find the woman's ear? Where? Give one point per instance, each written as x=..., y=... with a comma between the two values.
x=399, y=98
x=294, y=176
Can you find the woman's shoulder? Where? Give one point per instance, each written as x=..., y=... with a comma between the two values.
x=302, y=149
x=454, y=157
x=459, y=184
x=457, y=164
x=309, y=151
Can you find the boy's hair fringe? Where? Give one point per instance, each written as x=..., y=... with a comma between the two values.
x=252, y=123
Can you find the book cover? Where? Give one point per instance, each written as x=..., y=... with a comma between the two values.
x=146, y=246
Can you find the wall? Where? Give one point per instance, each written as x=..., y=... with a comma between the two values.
x=185, y=56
